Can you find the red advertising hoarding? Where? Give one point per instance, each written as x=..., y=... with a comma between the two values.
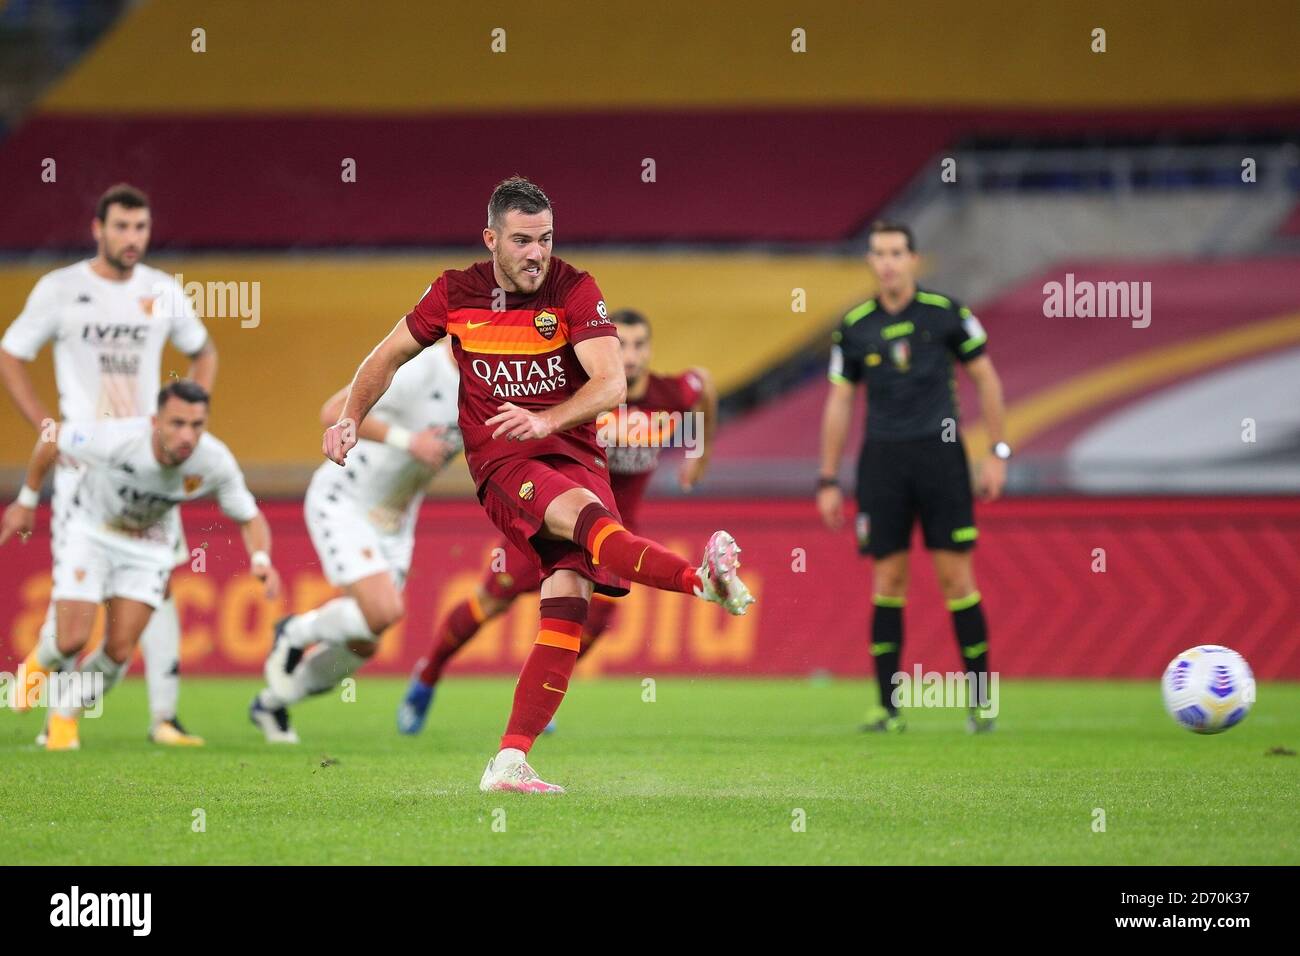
x=1072, y=588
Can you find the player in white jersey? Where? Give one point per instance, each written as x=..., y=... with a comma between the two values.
x=109, y=318
x=120, y=536
x=362, y=523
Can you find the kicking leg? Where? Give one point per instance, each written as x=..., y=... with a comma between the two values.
x=577, y=515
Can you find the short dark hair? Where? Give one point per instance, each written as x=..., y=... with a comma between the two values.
x=186, y=390
x=888, y=225
x=515, y=193
x=123, y=194
x=631, y=317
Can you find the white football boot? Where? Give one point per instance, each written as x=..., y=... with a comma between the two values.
x=720, y=581
x=274, y=724
x=508, y=772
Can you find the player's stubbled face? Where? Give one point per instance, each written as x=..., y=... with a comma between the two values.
x=635, y=343
x=890, y=259
x=179, y=425
x=123, y=236
x=522, y=249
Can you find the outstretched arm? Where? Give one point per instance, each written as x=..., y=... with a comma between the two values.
x=368, y=385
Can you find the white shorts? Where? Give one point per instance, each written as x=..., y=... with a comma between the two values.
x=91, y=569
x=66, y=479
x=349, y=545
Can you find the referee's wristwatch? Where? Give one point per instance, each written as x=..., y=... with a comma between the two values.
x=1002, y=450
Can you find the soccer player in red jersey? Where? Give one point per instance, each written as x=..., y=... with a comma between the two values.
x=661, y=411
x=539, y=360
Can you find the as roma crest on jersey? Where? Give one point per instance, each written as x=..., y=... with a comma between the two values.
x=146, y=304
x=526, y=491
x=546, y=323
x=191, y=483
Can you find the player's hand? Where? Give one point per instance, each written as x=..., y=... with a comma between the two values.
x=993, y=478
x=519, y=424
x=429, y=447
x=17, y=521
x=270, y=578
x=692, y=471
x=339, y=440
x=830, y=505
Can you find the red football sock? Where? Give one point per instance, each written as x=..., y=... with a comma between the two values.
x=458, y=627
x=598, y=617
x=631, y=556
x=545, y=677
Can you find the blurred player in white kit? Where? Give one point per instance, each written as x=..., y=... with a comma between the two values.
x=119, y=537
x=109, y=318
x=362, y=519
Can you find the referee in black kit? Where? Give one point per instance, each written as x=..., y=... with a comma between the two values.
x=903, y=344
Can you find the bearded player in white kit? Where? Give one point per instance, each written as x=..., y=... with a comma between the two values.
x=109, y=318
x=119, y=537
x=362, y=523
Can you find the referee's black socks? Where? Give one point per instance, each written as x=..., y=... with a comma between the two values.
x=887, y=644
x=973, y=639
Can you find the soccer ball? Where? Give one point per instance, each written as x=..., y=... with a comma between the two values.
x=1208, y=689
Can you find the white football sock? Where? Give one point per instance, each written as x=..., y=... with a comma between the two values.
x=97, y=662
x=47, y=645
x=161, y=646
x=321, y=669
x=335, y=622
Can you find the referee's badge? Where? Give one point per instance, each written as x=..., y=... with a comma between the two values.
x=863, y=529
x=901, y=353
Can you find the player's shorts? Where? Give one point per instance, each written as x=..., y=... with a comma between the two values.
x=516, y=495
x=348, y=544
x=90, y=568
x=66, y=478
x=899, y=481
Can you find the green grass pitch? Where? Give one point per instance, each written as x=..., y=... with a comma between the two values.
x=713, y=771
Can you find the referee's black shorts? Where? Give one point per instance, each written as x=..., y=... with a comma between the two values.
x=901, y=480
